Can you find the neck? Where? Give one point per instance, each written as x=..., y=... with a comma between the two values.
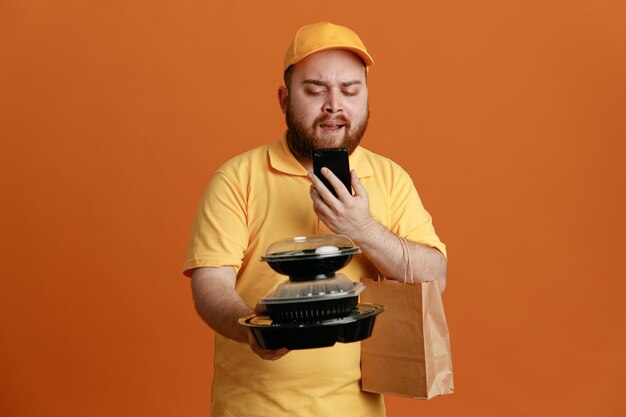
x=305, y=162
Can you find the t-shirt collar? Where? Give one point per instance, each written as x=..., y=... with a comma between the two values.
x=283, y=160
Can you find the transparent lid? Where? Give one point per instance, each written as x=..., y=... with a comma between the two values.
x=337, y=287
x=310, y=247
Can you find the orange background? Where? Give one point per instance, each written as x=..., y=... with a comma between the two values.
x=509, y=115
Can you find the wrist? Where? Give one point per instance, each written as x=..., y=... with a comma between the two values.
x=239, y=332
x=367, y=233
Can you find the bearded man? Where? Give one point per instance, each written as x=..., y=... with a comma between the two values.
x=268, y=194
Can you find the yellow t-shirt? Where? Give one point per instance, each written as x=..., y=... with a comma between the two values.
x=252, y=201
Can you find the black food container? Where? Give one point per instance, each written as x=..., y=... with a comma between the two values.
x=316, y=307
x=306, y=258
x=305, y=301
x=314, y=291
x=357, y=325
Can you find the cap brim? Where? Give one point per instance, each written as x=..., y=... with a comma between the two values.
x=365, y=57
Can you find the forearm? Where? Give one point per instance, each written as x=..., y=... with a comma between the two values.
x=384, y=249
x=350, y=215
x=217, y=302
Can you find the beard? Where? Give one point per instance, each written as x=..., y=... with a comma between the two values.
x=302, y=139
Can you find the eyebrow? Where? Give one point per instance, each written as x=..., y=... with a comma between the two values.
x=324, y=84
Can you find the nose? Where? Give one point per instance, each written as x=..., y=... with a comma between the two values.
x=334, y=102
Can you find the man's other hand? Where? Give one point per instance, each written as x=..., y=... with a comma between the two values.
x=267, y=354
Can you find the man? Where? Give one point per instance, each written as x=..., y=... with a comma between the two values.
x=268, y=194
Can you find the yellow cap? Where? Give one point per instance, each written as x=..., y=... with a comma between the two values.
x=321, y=36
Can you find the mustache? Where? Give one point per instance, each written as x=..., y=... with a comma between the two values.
x=328, y=118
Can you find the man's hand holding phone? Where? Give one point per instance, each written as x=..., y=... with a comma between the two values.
x=345, y=214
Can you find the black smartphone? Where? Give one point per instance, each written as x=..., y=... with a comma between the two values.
x=335, y=159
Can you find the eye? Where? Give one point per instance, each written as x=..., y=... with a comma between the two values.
x=314, y=92
x=350, y=93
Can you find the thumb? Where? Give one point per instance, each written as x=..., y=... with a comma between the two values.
x=260, y=309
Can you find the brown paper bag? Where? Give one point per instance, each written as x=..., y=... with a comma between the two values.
x=408, y=353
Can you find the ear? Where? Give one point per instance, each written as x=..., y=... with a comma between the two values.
x=283, y=98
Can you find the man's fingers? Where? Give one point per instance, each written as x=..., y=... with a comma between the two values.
x=340, y=188
x=319, y=186
x=259, y=309
x=272, y=355
x=359, y=190
x=336, y=184
x=266, y=354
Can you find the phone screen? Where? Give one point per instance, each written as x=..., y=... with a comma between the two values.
x=335, y=159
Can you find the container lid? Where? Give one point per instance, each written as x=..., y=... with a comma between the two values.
x=337, y=287
x=362, y=310
x=310, y=248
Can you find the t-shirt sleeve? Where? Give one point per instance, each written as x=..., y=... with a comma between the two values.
x=409, y=217
x=219, y=236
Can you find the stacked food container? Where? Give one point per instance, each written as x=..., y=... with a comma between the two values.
x=316, y=307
